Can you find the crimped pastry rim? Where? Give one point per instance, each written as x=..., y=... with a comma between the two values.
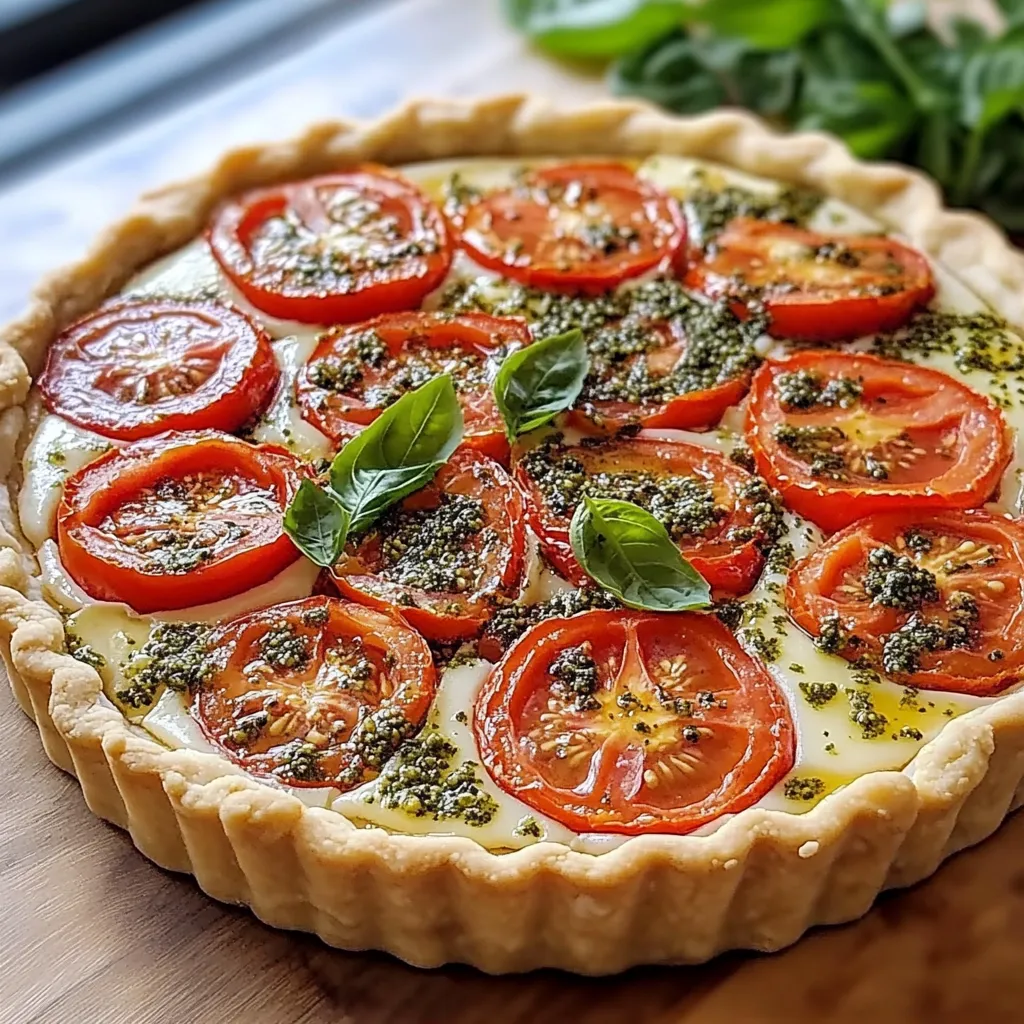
x=913, y=814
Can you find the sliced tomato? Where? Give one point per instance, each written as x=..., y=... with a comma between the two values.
x=904, y=437
x=177, y=520
x=581, y=227
x=356, y=372
x=631, y=722
x=446, y=555
x=317, y=692
x=814, y=286
x=935, y=601
x=712, y=509
x=334, y=249
x=641, y=388
x=137, y=368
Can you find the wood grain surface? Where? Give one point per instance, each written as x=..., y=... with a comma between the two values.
x=92, y=933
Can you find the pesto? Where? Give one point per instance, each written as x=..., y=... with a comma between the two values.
x=897, y=581
x=420, y=780
x=574, y=672
x=709, y=210
x=819, y=694
x=528, y=826
x=429, y=549
x=282, y=648
x=509, y=623
x=872, y=723
x=808, y=789
x=805, y=390
x=175, y=655
x=81, y=651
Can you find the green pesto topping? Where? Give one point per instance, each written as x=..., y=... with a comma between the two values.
x=81, y=651
x=575, y=676
x=918, y=540
x=511, y=622
x=684, y=505
x=817, y=446
x=56, y=458
x=421, y=781
x=316, y=616
x=903, y=648
x=832, y=636
x=708, y=211
x=803, y=789
x=619, y=330
x=301, y=763
x=781, y=557
x=897, y=581
x=528, y=826
x=767, y=648
x=341, y=372
x=743, y=457
x=375, y=739
x=281, y=647
x=459, y=195
x=806, y=390
x=428, y=548
x=175, y=655
x=977, y=341
x=909, y=732
x=730, y=613
x=819, y=694
x=862, y=713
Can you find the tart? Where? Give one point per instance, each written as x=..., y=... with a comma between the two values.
x=420, y=707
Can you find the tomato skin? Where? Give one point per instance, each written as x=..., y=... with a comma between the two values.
x=801, y=305
x=974, y=468
x=107, y=571
x=759, y=746
x=403, y=668
x=340, y=416
x=514, y=231
x=731, y=568
x=812, y=594
x=694, y=410
x=401, y=285
x=444, y=616
x=90, y=388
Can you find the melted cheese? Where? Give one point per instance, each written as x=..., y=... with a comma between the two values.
x=282, y=423
x=57, y=449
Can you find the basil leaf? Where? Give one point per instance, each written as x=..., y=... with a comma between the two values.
x=540, y=381
x=398, y=452
x=672, y=73
x=316, y=523
x=787, y=24
x=596, y=28
x=628, y=552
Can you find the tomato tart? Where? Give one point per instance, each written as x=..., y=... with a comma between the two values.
x=529, y=538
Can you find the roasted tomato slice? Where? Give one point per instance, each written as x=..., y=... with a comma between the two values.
x=447, y=554
x=358, y=371
x=935, y=601
x=177, y=520
x=718, y=514
x=334, y=249
x=814, y=286
x=631, y=722
x=638, y=377
x=138, y=368
x=574, y=227
x=842, y=436
x=318, y=692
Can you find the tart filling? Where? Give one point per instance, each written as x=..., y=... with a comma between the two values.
x=878, y=386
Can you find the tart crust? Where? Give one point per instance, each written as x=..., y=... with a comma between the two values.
x=758, y=882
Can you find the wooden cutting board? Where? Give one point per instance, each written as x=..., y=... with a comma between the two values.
x=92, y=933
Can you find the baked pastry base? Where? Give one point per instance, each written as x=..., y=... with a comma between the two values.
x=758, y=882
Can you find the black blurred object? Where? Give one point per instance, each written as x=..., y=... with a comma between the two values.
x=37, y=35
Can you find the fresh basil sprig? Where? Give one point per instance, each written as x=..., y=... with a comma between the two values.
x=541, y=380
x=628, y=552
x=396, y=454
x=880, y=75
